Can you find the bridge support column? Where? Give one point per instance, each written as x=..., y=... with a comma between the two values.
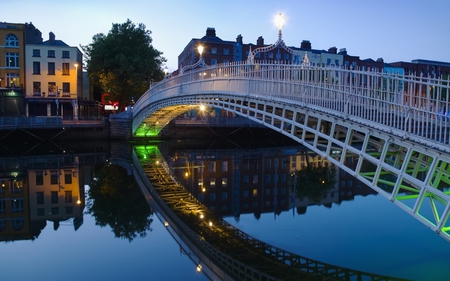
x=120, y=125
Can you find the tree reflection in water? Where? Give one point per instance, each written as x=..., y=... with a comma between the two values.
x=314, y=181
x=116, y=200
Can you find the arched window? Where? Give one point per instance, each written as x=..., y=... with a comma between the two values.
x=11, y=40
x=18, y=223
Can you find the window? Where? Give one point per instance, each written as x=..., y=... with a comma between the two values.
x=255, y=179
x=245, y=195
x=226, y=61
x=283, y=177
x=268, y=178
x=212, y=197
x=246, y=179
x=268, y=191
x=36, y=53
x=68, y=196
x=213, y=50
x=16, y=205
x=212, y=166
x=67, y=177
x=268, y=164
x=52, y=90
x=17, y=223
x=51, y=68
x=39, y=178
x=11, y=40
x=40, y=198
x=212, y=182
x=213, y=61
x=200, y=197
x=12, y=59
x=255, y=164
x=41, y=212
x=270, y=55
x=51, y=53
x=328, y=61
x=225, y=166
x=226, y=51
x=65, y=68
x=224, y=182
x=69, y=210
x=55, y=211
x=286, y=56
x=12, y=79
x=36, y=67
x=2, y=206
x=255, y=192
x=200, y=183
x=66, y=89
x=54, y=197
x=54, y=176
x=65, y=54
x=224, y=196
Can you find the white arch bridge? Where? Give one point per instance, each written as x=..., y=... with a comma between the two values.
x=389, y=131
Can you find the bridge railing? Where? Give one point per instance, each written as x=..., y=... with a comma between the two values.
x=411, y=105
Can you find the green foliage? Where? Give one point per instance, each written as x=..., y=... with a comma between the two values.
x=314, y=181
x=116, y=200
x=123, y=62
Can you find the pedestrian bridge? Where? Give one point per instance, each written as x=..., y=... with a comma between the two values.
x=390, y=131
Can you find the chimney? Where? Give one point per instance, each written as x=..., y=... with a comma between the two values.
x=332, y=50
x=239, y=39
x=51, y=38
x=305, y=45
x=260, y=41
x=343, y=51
x=210, y=32
x=380, y=60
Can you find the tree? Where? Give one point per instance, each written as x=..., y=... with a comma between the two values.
x=314, y=181
x=123, y=62
x=116, y=200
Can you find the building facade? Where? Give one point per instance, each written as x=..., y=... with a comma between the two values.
x=12, y=68
x=54, y=79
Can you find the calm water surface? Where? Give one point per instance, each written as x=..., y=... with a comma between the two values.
x=368, y=233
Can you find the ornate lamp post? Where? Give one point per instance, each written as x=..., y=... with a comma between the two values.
x=200, y=61
x=279, y=22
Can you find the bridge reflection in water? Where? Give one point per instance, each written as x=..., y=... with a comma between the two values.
x=224, y=252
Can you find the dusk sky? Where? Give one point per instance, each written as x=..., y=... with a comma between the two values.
x=395, y=30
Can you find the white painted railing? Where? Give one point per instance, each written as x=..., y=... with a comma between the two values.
x=412, y=106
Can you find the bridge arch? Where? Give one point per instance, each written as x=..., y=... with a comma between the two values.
x=366, y=123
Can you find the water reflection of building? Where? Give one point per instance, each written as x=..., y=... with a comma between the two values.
x=234, y=182
x=37, y=189
x=55, y=193
x=14, y=205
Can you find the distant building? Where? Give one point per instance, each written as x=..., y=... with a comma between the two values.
x=54, y=79
x=12, y=68
x=423, y=67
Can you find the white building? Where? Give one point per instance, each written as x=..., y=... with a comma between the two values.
x=54, y=80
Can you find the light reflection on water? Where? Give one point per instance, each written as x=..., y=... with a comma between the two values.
x=93, y=253
x=368, y=233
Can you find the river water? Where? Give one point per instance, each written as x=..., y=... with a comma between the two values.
x=116, y=236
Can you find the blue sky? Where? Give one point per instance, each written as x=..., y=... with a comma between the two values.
x=396, y=30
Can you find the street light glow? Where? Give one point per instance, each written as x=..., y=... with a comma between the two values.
x=200, y=49
x=279, y=21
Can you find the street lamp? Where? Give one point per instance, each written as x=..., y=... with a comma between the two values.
x=75, y=107
x=200, y=61
x=166, y=71
x=279, y=22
